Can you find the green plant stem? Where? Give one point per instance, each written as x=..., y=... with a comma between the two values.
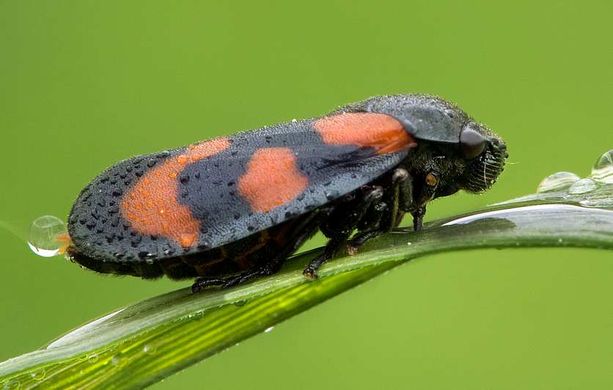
x=143, y=343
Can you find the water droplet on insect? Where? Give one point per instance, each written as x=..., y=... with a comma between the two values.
x=47, y=236
x=557, y=182
x=582, y=186
x=269, y=329
x=603, y=168
x=331, y=195
x=182, y=159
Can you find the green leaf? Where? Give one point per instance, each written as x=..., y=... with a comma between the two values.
x=143, y=343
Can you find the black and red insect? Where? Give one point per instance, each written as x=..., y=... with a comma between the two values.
x=234, y=208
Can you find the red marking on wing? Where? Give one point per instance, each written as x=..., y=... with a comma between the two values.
x=382, y=132
x=272, y=179
x=151, y=205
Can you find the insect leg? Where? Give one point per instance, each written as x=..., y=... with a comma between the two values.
x=371, y=226
x=406, y=200
x=262, y=270
x=339, y=225
x=303, y=231
x=385, y=216
x=418, y=218
x=402, y=197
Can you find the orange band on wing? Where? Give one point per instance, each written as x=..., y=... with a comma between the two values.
x=151, y=205
x=272, y=179
x=382, y=132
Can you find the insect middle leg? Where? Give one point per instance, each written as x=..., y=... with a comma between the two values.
x=387, y=214
x=340, y=224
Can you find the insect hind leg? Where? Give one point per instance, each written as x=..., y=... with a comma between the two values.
x=300, y=231
x=230, y=281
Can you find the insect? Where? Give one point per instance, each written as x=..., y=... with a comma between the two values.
x=230, y=209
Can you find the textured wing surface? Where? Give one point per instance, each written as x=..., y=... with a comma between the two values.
x=218, y=191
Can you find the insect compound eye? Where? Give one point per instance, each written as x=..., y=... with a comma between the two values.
x=431, y=180
x=472, y=141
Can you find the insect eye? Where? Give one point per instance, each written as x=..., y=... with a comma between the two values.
x=472, y=142
x=431, y=180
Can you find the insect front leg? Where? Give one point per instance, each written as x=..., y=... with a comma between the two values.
x=340, y=223
x=412, y=194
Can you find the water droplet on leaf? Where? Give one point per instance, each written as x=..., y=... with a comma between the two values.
x=557, y=182
x=149, y=349
x=582, y=186
x=603, y=168
x=38, y=375
x=11, y=384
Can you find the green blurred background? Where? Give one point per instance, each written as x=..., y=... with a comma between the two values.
x=84, y=84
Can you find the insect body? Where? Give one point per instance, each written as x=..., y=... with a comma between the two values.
x=234, y=208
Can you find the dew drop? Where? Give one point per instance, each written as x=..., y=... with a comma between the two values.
x=557, y=182
x=149, y=349
x=331, y=195
x=582, y=186
x=93, y=358
x=182, y=159
x=46, y=235
x=38, y=375
x=11, y=384
x=603, y=168
x=116, y=360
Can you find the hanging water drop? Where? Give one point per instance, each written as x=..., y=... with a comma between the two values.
x=47, y=236
x=557, y=182
x=603, y=168
x=582, y=186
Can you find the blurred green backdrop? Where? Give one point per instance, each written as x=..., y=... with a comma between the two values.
x=86, y=83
